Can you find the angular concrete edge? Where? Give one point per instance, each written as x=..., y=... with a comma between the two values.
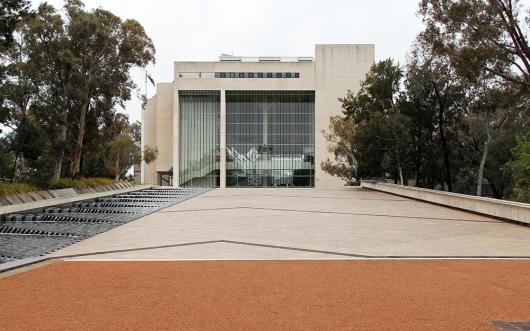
x=25, y=262
x=23, y=207
x=12, y=265
x=508, y=210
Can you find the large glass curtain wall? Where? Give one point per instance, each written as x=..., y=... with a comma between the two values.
x=270, y=138
x=199, y=138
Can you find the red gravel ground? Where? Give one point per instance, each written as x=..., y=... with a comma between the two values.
x=360, y=295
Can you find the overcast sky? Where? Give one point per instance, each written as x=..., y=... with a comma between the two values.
x=203, y=29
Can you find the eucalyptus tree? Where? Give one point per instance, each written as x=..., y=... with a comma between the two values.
x=447, y=94
x=51, y=55
x=19, y=89
x=478, y=35
x=484, y=45
x=12, y=14
x=69, y=69
x=493, y=110
x=106, y=49
x=420, y=107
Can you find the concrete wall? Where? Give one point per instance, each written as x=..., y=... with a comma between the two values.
x=509, y=210
x=23, y=202
x=208, y=82
x=149, y=129
x=339, y=68
x=164, y=126
x=157, y=131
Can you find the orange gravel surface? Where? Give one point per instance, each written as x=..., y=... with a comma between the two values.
x=359, y=295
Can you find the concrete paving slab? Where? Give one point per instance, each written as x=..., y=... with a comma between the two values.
x=306, y=223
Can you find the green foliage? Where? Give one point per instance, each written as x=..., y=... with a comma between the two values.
x=119, y=46
x=80, y=183
x=94, y=164
x=122, y=153
x=12, y=188
x=520, y=169
x=340, y=137
x=379, y=92
x=479, y=35
x=54, y=82
x=150, y=154
x=31, y=147
x=373, y=139
x=11, y=13
x=448, y=120
x=7, y=159
x=427, y=126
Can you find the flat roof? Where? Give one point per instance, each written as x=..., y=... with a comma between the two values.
x=235, y=58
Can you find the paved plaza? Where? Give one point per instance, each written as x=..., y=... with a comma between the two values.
x=347, y=223
x=301, y=259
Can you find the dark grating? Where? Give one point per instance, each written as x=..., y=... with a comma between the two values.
x=36, y=234
x=504, y=325
x=28, y=232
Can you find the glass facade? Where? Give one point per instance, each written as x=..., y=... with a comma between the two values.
x=199, y=138
x=270, y=138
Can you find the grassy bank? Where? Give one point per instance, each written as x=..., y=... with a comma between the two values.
x=80, y=183
x=12, y=188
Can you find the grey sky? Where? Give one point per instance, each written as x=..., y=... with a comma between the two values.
x=203, y=29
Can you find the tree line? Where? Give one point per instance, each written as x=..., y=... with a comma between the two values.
x=64, y=74
x=455, y=116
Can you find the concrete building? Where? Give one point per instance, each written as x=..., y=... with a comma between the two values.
x=250, y=122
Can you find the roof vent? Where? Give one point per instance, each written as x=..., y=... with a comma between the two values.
x=229, y=58
x=269, y=59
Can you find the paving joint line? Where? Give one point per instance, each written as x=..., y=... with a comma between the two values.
x=334, y=212
x=334, y=253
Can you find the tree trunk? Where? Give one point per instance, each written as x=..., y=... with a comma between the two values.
x=498, y=192
x=446, y=153
x=14, y=167
x=418, y=167
x=76, y=165
x=59, y=160
x=118, y=167
x=400, y=171
x=441, y=109
x=447, y=164
x=483, y=162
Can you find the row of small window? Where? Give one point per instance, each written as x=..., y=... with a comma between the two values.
x=257, y=75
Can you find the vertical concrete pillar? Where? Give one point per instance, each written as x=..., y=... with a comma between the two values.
x=142, y=147
x=222, y=141
x=176, y=137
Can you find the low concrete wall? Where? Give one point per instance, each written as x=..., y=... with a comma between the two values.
x=25, y=197
x=21, y=207
x=515, y=211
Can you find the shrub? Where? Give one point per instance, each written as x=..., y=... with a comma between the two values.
x=80, y=183
x=12, y=188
